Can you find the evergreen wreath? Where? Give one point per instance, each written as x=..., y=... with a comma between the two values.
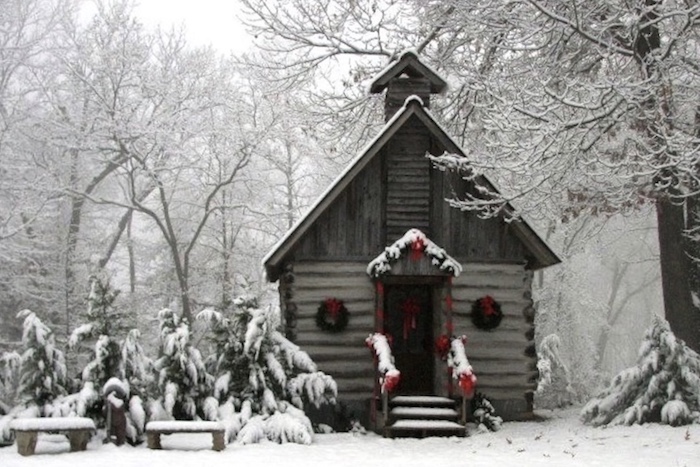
x=486, y=313
x=332, y=316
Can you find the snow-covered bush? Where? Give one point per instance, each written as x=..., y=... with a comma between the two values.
x=42, y=375
x=663, y=387
x=9, y=380
x=263, y=381
x=554, y=386
x=182, y=382
x=484, y=414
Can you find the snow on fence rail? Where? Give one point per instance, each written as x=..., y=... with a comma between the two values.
x=389, y=376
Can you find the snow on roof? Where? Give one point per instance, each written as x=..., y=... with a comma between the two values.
x=414, y=240
x=184, y=426
x=52, y=424
x=411, y=52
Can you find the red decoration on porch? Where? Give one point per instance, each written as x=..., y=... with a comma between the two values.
x=417, y=249
x=442, y=346
x=486, y=313
x=332, y=316
x=391, y=381
x=467, y=383
x=410, y=309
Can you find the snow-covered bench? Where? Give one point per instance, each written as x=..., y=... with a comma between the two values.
x=155, y=429
x=77, y=429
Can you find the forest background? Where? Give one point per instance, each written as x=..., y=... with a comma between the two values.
x=174, y=167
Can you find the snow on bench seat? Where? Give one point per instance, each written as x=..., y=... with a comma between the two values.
x=52, y=424
x=155, y=429
x=77, y=429
x=184, y=426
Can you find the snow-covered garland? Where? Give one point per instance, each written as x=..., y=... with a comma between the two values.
x=486, y=313
x=461, y=370
x=389, y=376
x=418, y=245
x=332, y=316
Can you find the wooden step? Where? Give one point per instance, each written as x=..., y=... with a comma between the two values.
x=422, y=401
x=425, y=428
x=423, y=413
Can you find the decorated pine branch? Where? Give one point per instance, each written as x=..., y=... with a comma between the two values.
x=462, y=371
x=416, y=244
x=663, y=387
x=389, y=376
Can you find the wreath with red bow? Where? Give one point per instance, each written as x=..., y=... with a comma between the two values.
x=332, y=316
x=486, y=313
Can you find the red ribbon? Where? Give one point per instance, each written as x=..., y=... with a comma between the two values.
x=488, y=305
x=391, y=380
x=333, y=306
x=411, y=310
x=467, y=382
x=442, y=346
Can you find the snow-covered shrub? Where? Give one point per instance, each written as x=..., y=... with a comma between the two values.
x=263, y=376
x=484, y=414
x=663, y=387
x=9, y=381
x=182, y=382
x=42, y=375
x=554, y=386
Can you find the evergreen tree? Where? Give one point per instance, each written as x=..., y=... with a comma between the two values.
x=663, y=387
x=266, y=378
x=103, y=325
x=42, y=376
x=182, y=382
x=554, y=386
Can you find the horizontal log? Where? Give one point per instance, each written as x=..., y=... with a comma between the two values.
x=355, y=280
x=329, y=267
x=320, y=338
x=320, y=353
x=355, y=385
x=349, y=368
x=307, y=323
x=318, y=295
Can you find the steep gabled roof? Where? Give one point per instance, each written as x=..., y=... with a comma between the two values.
x=543, y=256
x=408, y=63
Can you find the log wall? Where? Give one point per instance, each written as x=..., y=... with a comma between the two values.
x=342, y=355
x=503, y=358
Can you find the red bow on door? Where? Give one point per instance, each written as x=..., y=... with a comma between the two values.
x=410, y=309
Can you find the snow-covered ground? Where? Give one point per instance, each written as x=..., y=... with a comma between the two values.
x=560, y=440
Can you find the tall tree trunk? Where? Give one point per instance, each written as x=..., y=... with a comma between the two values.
x=671, y=210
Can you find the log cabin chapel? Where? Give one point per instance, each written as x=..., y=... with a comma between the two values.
x=381, y=251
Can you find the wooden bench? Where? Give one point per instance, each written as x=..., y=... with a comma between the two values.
x=155, y=429
x=77, y=429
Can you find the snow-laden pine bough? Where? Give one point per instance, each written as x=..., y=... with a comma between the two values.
x=461, y=370
x=388, y=375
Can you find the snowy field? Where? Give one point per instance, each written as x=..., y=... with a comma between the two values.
x=561, y=440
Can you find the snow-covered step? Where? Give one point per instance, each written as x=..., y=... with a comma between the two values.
x=422, y=401
x=424, y=428
x=430, y=413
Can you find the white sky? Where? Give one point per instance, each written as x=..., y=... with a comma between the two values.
x=206, y=21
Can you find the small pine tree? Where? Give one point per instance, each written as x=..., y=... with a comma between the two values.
x=182, y=380
x=664, y=386
x=484, y=414
x=554, y=386
x=42, y=375
x=268, y=379
x=103, y=325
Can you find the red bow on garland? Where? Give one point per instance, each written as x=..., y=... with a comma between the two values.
x=411, y=309
x=417, y=248
x=467, y=382
x=442, y=346
x=391, y=380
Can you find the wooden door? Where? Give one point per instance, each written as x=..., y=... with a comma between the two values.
x=408, y=319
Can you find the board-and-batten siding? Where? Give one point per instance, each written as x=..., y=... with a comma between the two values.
x=352, y=226
x=408, y=181
x=498, y=357
x=342, y=355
